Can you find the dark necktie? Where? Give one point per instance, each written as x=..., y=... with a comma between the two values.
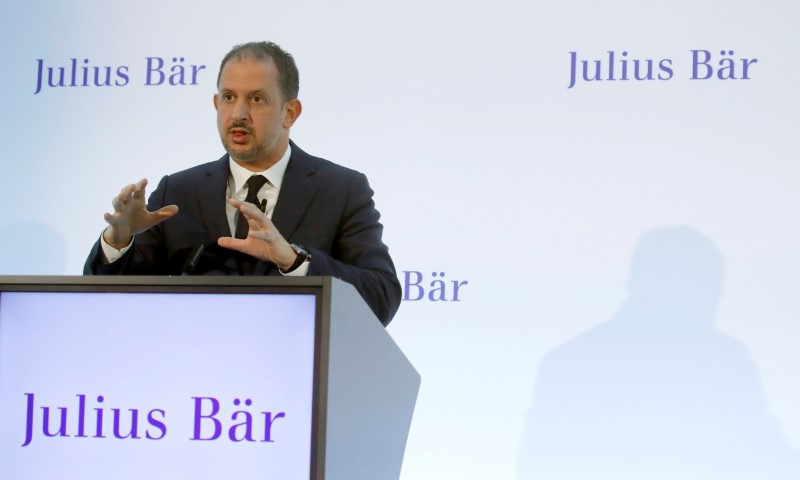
x=254, y=184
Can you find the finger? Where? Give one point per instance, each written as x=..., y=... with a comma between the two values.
x=254, y=216
x=118, y=202
x=127, y=190
x=123, y=196
x=247, y=209
x=251, y=210
x=233, y=244
x=166, y=212
x=113, y=218
x=139, y=188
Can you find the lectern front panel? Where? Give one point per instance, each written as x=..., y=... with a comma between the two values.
x=99, y=385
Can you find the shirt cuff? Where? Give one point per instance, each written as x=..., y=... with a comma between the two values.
x=300, y=271
x=111, y=254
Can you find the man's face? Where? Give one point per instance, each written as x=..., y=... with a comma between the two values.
x=252, y=118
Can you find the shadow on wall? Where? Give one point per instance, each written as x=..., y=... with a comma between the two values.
x=18, y=239
x=656, y=393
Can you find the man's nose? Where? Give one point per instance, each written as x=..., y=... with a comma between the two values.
x=240, y=110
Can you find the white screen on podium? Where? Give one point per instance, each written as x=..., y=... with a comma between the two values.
x=156, y=385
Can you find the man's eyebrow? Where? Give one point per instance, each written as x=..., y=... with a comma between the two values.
x=249, y=94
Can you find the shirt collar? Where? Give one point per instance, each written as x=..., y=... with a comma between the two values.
x=274, y=173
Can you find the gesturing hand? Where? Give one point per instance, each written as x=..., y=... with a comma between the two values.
x=130, y=215
x=263, y=241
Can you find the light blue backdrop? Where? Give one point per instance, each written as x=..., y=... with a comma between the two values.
x=487, y=167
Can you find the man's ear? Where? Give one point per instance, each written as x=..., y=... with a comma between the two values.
x=293, y=109
x=216, y=99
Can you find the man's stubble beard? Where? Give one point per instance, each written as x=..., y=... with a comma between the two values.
x=252, y=155
x=257, y=152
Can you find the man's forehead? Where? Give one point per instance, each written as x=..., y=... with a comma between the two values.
x=242, y=72
x=249, y=62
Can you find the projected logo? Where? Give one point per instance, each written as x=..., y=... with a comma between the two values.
x=703, y=65
x=433, y=288
x=156, y=71
x=95, y=421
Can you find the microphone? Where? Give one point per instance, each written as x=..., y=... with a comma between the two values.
x=263, y=206
x=190, y=265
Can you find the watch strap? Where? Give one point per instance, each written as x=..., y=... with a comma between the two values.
x=302, y=256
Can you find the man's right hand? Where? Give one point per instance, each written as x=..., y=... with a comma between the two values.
x=130, y=215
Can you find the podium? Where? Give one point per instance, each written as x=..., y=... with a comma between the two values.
x=198, y=377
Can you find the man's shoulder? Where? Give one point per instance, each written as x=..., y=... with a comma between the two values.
x=302, y=161
x=217, y=166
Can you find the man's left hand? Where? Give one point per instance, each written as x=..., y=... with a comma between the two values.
x=263, y=241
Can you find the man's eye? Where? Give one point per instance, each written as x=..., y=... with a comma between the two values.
x=228, y=97
x=258, y=99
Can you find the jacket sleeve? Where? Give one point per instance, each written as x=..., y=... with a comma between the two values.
x=358, y=254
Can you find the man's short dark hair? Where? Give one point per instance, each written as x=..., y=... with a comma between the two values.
x=265, y=51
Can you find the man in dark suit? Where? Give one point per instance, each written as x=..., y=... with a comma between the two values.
x=307, y=216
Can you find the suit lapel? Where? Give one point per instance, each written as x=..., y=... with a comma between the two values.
x=212, y=200
x=297, y=191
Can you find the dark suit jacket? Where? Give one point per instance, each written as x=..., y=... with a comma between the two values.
x=324, y=206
